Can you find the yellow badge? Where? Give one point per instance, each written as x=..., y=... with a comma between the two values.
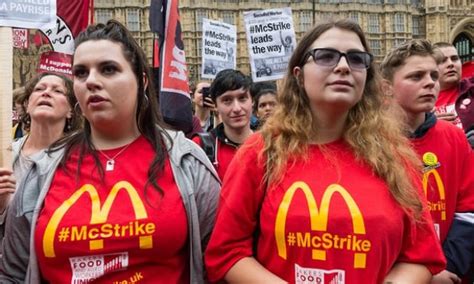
x=430, y=159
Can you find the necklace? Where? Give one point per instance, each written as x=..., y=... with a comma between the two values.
x=109, y=165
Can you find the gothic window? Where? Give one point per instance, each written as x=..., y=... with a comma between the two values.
x=133, y=20
x=399, y=23
x=375, y=47
x=464, y=47
x=416, y=26
x=306, y=21
x=102, y=16
x=354, y=16
x=200, y=14
x=228, y=17
x=374, y=24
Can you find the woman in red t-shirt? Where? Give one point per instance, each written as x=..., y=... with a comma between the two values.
x=328, y=191
x=122, y=201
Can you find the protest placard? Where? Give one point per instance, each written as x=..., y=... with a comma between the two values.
x=56, y=62
x=271, y=41
x=20, y=38
x=219, y=45
x=27, y=14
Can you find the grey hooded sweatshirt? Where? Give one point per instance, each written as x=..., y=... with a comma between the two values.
x=197, y=181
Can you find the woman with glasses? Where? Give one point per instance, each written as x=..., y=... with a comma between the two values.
x=328, y=192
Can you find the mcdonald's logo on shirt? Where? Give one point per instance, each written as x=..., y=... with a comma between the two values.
x=321, y=243
x=431, y=163
x=99, y=215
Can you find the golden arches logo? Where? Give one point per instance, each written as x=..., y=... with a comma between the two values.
x=99, y=214
x=439, y=184
x=318, y=218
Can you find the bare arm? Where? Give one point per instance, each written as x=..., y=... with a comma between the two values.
x=408, y=273
x=249, y=270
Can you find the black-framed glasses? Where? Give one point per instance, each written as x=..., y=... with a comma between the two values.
x=330, y=57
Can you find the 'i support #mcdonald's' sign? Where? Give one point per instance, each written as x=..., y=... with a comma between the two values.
x=99, y=216
x=319, y=219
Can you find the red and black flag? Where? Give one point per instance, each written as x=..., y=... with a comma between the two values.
x=169, y=65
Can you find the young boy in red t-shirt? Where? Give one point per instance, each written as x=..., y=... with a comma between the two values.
x=411, y=77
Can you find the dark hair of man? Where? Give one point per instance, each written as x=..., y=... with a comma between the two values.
x=258, y=86
x=229, y=80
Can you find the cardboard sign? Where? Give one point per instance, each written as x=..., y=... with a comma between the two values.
x=20, y=38
x=271, y=41
x=219, y=46
x=27, y=14
x=56, y=62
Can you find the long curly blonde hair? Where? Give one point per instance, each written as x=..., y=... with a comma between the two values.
x=373, y=128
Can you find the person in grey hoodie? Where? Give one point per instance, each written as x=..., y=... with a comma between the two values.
x=48, y=102
x=121, y=200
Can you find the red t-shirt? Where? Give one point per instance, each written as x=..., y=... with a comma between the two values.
x=224, y=155
x=112, y=230
x=446, y=102
x=448, y=173
x=329, y=219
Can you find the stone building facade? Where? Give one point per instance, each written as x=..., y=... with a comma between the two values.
x=387, y=23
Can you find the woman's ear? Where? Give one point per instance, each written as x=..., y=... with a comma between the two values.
x=296, y=71
x=298, y=74
x=387, y=88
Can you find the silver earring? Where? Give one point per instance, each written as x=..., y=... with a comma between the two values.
x=77, y=109
x=68, y=124
x=146, y=101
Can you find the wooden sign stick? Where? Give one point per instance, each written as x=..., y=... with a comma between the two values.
x=6, y=86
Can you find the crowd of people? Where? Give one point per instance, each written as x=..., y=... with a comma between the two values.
x=348, y=172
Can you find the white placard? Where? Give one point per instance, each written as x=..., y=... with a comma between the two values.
x=28, y=14
x=219, y=45
x=271, y=41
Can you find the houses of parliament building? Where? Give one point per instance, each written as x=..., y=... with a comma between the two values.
x=386, y=23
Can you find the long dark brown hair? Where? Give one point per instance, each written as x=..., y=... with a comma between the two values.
x=148, y=118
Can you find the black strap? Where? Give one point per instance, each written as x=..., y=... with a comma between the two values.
x=208, y=144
